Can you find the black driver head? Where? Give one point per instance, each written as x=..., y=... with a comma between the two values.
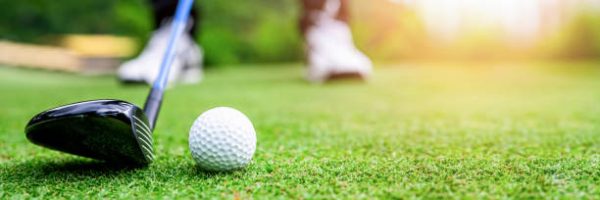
x=111, y=130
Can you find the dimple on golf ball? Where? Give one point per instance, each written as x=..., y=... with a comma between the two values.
x=222, y=139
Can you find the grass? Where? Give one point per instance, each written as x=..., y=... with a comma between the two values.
x=422, y=130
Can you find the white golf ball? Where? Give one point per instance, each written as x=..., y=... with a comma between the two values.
x=222, y=139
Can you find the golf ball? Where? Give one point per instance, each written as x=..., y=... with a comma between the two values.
x=222, y=139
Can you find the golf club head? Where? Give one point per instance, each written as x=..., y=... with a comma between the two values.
x=111, y=130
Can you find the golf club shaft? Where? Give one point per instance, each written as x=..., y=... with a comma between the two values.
x=154, y=99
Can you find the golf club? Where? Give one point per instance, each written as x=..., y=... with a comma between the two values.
x=111, y=130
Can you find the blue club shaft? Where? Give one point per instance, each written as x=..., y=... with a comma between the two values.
x=154, y=99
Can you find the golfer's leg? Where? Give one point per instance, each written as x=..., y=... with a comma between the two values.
x=314, y=6
x=330, y=50
x=164, y=10
x=308, y=7
x=186, y=67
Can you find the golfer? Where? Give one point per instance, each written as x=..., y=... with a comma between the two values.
x=329, y=48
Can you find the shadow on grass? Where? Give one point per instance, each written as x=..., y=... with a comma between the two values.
x=338, y=79
x=346, y=78
x=65, y=170
x=206, y=174
x=86, y=167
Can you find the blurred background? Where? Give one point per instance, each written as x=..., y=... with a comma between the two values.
x=262, y=31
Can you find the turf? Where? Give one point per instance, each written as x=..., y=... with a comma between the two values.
x=419, y=130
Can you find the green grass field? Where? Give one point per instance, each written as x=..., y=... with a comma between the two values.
x=421, y=130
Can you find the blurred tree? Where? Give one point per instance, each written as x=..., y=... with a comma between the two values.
x=33, y=20
x=250, y=31
x=267, y=31
x=581, y=38
x=231, y=31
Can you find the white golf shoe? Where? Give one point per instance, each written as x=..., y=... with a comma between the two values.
x=186, y=66
x=330, y=49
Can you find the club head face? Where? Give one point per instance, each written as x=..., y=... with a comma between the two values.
x=110, y=130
